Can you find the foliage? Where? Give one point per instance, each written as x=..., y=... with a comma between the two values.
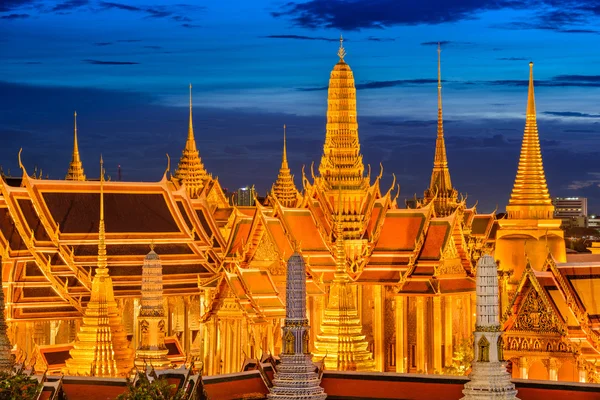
x=158, y=389
x=463, y=356
x=17, y=386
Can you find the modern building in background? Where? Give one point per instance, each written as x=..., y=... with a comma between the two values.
x=572, y=211
x=244, y=196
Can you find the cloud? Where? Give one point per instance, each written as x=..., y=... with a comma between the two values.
x=378, y=84
x=171, y=11
x=99, y=62
x=572, y=114
x=363, y=14
x=180, y=18
x=10, y=5
x=103, y=44
x=69, y=5
x=15, y=16
x=129, y=40
x=153, y=47
x=191, y=26
x=299, y=37
x=379, y=39
x=569, y=16
x=441, y=43
x=27, y=63
x=512, y=59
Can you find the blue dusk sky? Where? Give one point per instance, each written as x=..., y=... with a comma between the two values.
x=255, y=65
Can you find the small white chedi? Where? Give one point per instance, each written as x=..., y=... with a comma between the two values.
x=489, y=378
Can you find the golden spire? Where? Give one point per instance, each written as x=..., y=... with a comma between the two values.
x=440, y=189
x=101, y=347
x=284, y=188
x=75, y=172
x=341, y=341
x=530, y=198
x=190, y=170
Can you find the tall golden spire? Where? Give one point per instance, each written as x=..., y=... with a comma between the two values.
x=341, y=151
x=284, y=189
x=190, y=169
x=75, y=172
x=101, y=347
x=530, y=198
x=440, y=189
x=341, y=340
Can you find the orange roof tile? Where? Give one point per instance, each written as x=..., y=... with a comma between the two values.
x=401, y=228
x=239, y=237
x=435, y=240
x=303, y=228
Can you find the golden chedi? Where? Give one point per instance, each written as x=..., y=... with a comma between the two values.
x=151, y=320
x=530, y=230
x=284, y=189
x=75, y=172
x=190, y=170
x=101, y=347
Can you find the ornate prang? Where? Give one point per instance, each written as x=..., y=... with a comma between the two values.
x=489, y=378
x=296, y=377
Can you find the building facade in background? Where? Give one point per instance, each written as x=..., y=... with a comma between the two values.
x=572, y=211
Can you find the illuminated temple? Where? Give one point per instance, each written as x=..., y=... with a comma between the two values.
x=389, y=288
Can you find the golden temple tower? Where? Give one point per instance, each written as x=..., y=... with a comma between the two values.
x=529, y=232
x=75, y=172
x=284, y=189
x=5, y=347
x=190, y=170
x=440, y=191
x=341, y=164
x=101, y=347
x=341, y=340
x=152, y=350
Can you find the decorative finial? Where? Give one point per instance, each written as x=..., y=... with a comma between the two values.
x=152, y=245
x=284, y=146
x=439, y=76
x=531, y=95
x=102, y=260
x=191, y=125
x=341, y=52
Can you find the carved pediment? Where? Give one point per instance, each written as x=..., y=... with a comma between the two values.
x=266, y=250
x=535, y=315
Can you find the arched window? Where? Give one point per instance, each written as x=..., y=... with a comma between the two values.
x=500, y=348
x=484, y=350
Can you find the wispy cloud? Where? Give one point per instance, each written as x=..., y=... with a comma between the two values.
x=15, y=16
x=100, y=62
x=512, y=59
x=378, y=84
x=300, y=37
x=441, y=43
x=100, y=44
x=380, y=39
x=571, y=114
x=69, y=5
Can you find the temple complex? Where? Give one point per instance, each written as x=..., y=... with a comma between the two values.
x=489, y=378
x=388, y=289
x=530, y=229
x=296, y=376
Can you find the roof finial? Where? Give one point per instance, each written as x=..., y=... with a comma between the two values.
x=284, y=161
x=75, y=171
x=152, y=245
x=341, y=51
x=439, y=76
x=191, y=126
x=530, y=96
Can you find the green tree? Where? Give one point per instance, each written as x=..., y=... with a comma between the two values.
x=158, y=389
x=17, y=386
x=463, y=356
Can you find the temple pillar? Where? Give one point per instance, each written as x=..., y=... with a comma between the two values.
x=186, y=325
x=553, y=365
x=54, y=327
x=437, y=334
x=136, y=329
x=523, y=368
x=472, y=315
x=420, y=348
x=359, y=302
x=448, y=333
x=378, y=327
x=504, y=277
x=401, y=324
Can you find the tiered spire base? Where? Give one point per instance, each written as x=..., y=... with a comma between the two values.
x=489, y=381
x=296, y=378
